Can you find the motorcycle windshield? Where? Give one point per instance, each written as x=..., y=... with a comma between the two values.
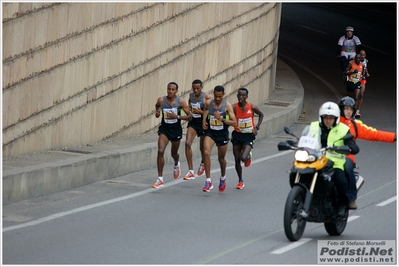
x=309, y=140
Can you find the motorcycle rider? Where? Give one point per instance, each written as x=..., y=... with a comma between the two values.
x=348, y=45
x=360, y=130
x=330, y=131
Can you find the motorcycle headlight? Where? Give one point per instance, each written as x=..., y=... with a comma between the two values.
x=304, y=156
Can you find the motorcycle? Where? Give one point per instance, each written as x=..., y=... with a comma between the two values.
x=313, y=196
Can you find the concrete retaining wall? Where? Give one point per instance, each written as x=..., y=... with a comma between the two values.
x=37, y=175
x=77, y=73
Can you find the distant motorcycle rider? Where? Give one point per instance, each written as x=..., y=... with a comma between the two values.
x=348, y=45
x=331, y=131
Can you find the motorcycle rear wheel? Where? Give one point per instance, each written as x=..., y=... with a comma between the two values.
x=294, y=224
x=337, y=228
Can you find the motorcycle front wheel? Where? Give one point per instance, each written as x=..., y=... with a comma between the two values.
x=337, y=227
x=294, y=224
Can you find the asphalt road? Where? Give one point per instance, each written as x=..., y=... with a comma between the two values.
x=125, y=222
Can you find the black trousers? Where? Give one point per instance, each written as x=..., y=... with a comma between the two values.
x=341, y=183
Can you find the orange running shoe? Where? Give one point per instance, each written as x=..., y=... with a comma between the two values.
x=201, y=169
x=189, y=176
x=240, y=185
x=176, y=171
x=158, y=184
x=248, y=162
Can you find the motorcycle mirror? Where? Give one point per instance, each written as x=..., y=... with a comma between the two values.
x=283, y=146
x=287, y=130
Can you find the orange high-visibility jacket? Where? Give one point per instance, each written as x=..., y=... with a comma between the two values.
x=366, y=132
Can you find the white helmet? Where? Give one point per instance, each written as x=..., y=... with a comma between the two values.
x=330, y=109
x=349, y=28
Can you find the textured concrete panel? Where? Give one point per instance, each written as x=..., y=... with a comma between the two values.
x=107, y=65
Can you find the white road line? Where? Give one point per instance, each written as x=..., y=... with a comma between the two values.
x=369, y=47
x=302, y=241
x=65, y=213
x=272, y=156
x=329, y=85
x=386, y=202
x=292, y=246
x=352, y=218
x=103, y=203
x=306, y=27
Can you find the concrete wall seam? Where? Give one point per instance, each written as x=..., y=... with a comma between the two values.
x=98, y=72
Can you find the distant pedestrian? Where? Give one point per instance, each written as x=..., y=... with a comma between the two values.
x=170, y=106
x=348, y=45
x=244, y=132
x=217, y=117
x=196, y=103
x=365, y=75
x=354, y=71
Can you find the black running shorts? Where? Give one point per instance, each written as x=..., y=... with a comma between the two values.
x=221, y=138
x=197, y=126
x=351, y=87
x=172, y=133
x=238, y=138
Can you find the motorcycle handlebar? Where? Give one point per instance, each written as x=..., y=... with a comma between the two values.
x=340, y=149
